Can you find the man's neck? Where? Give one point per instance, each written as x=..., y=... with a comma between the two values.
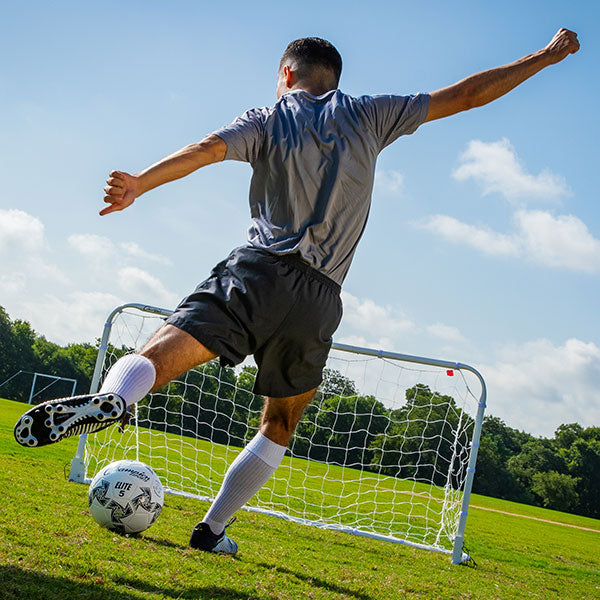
x=314, y=90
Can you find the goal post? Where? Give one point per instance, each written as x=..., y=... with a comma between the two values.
x=40, y=384
x=387, y=449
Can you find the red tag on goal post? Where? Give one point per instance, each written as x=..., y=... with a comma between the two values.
x=450, y=373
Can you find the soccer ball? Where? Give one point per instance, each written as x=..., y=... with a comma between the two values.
x=126, y=496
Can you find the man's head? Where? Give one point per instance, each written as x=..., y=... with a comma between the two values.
x=309, y=63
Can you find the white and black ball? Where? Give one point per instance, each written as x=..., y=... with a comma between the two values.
x=126, y=496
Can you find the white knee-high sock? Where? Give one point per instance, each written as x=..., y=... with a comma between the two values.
x=131, y=377
x=246, y=475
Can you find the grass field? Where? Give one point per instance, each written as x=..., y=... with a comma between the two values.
x=50, y=548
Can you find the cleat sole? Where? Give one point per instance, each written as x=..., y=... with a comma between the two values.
x=52, y=421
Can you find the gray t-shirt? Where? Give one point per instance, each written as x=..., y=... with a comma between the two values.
x=314, y=162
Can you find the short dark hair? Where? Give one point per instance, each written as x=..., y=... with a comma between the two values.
x=313, y=52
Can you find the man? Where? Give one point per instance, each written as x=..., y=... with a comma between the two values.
x=313, y=156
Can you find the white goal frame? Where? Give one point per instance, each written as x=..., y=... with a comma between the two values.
x=35, y=374
x=458, y=555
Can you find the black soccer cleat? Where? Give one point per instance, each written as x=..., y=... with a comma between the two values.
x=203, y=538
x=54, y=420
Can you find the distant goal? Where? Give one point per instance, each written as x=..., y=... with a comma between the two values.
x=386, y=450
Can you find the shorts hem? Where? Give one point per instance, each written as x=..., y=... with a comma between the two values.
x=279, y=392
x=226, y=357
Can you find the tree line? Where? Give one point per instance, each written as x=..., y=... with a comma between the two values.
x=417, y=440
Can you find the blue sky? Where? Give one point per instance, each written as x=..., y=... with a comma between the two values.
x=483, y=244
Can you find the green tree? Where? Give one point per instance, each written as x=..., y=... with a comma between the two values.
x=340, y=429
x=335, y=384
x=583, y=461
x=17, y=351
x=538, y=455
x=426, y=439
x=497, y=445
x=556, y=490
x=565, y=435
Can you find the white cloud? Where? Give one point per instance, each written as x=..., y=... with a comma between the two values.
x=140, y=286
x=112, y=268
x=137, y=251
x=496, y=167
x=73, y=317
x=538, y=385
x=445, y=332
x=367, y=324
x=13, y=283
x=20, y=231
x=70, y=309
x=391, y=182
x=91, y=245
x=360, y=341
x=24, y=253
x=100, y=248
x=377, y=321
x=563, y=241
x=480, y=238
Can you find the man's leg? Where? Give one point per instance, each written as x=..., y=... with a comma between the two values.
x=169, y=353
x=253, y=466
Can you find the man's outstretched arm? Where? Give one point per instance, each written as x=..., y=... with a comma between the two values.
x=486, y=86
x=122, y=188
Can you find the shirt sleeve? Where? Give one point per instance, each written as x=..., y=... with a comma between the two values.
x=392, y=116
x=244, y=136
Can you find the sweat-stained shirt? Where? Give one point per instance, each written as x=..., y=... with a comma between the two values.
x=313, y=161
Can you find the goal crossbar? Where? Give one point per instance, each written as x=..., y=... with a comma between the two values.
x=460, y=469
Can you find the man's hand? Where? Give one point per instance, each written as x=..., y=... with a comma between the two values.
x=121, y=190
x=565, y=42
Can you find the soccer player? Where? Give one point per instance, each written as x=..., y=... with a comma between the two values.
x=313, y=156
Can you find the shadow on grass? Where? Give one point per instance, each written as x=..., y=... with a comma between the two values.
x=210, y=592
x=164, y=542
x=169, y=544
x=23, y=584
x=317, y=582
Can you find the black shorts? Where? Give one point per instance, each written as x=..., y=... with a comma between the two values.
x=276, y=307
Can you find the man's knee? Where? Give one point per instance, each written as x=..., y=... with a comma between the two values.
x=172, y=352
x=284, y=423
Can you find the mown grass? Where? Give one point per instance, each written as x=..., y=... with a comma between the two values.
x=51, y=548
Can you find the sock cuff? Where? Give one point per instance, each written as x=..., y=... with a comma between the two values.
x=139, y=360
x=267, y=450
x=131, y=377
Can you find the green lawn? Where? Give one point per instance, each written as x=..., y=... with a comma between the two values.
x=51, y=548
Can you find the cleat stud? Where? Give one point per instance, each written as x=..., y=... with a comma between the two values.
x=96, y=400
x=61, y=429
x=48, y=408
x=31, y=442
x=114, y=414
x=60, y=408
x=53, y=436
x=48, y=422
x=110, y=397
x=27, y=420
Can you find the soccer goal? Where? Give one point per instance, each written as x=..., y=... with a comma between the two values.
x=387, y=449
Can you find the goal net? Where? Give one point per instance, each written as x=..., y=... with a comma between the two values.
x=387, y=448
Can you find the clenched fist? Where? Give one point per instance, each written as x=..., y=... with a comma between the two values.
x=564, y=42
